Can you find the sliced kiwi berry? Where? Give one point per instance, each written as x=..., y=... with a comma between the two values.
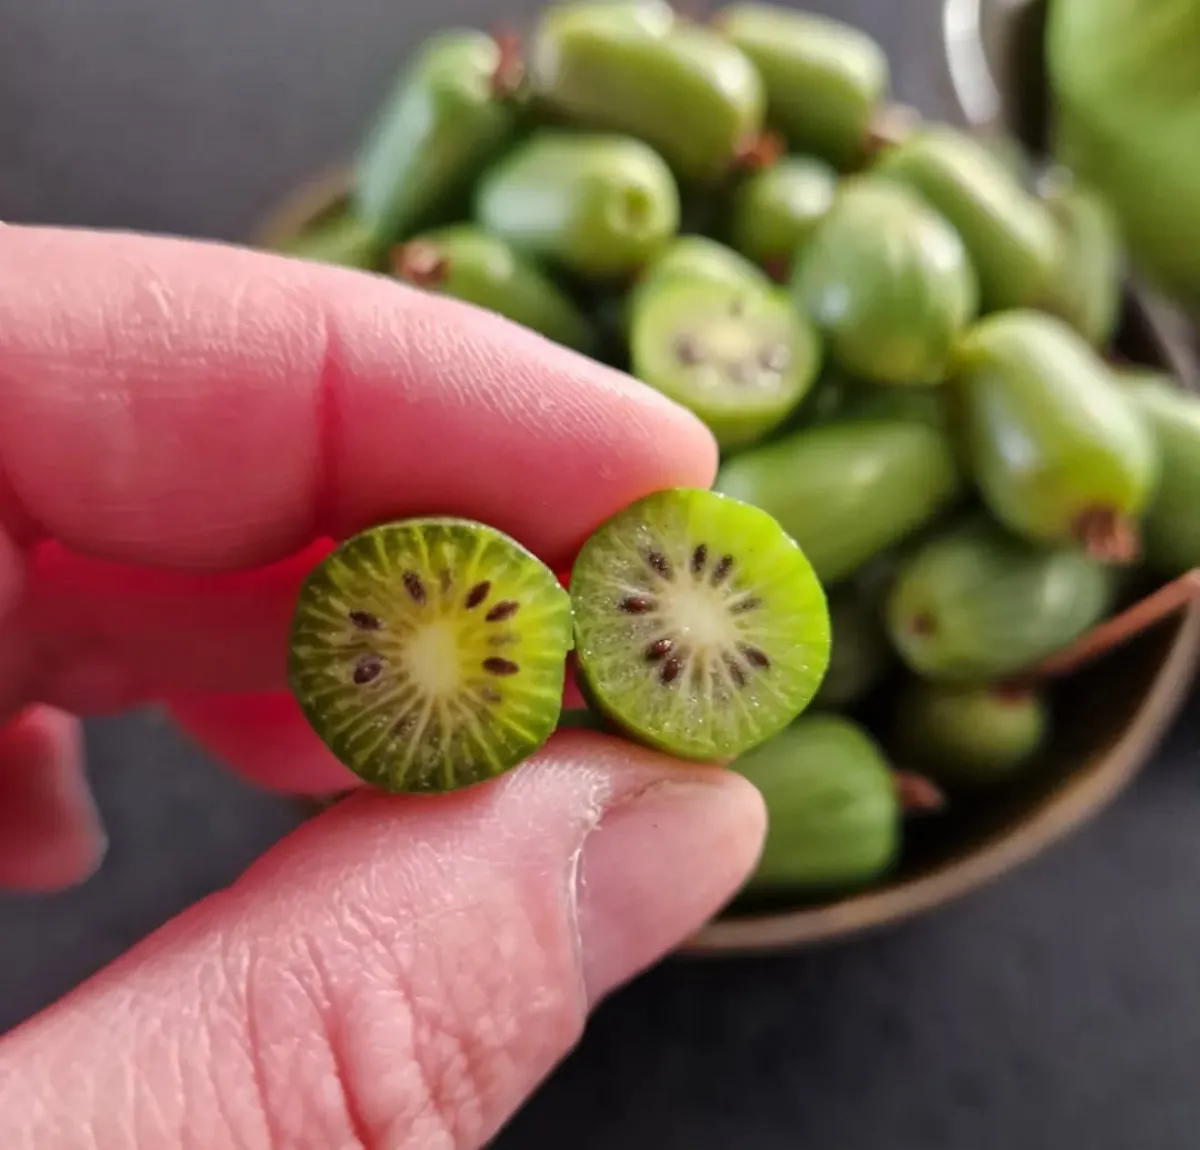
x=735, y=354
x=429, y=654
x=700, y=627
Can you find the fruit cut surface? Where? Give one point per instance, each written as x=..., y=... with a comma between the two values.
x=700, y=626
x=429, y=654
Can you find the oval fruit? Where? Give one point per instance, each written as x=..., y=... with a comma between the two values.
x=599, y=206
x=1009, y=233
x=845, y=491
x=975, y=604
x=889, y=284
x=1057, y=451
x=833, y=815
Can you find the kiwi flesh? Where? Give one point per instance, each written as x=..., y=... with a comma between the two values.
x=429, y=654
x=700, y=626
x=736, y=355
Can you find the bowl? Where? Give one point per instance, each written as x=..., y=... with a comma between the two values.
x=1110, y=716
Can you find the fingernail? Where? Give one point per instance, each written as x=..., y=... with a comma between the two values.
x=660, y=865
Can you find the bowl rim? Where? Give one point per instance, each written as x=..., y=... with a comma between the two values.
x=1080, y=796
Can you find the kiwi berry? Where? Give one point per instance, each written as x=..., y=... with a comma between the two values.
x=737, y=355
x=700, y=627
x=429, y=654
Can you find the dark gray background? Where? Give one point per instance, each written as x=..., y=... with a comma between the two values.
x=1059, y=1008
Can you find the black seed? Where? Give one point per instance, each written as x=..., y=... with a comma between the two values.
x=367, y=669
x=688, y=351
x=658, y=561
x=365, y=621
x=670, y=670
x=478, y=594
x=491, y=695
x=414, y=586
x=699, y=558
x=505, y=610
x=753, y=603
x=754, y=656
x=722, y=569
x=497, y=666
x=659, y=649
x=636, y=605
x=735, y=672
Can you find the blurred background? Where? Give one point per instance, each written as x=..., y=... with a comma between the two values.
x=1056, y=1008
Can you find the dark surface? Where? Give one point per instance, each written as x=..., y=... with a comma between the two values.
x=1059, y=1008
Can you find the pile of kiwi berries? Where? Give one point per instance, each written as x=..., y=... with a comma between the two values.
x=935, y=472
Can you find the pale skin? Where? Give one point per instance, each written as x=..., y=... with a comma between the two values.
x=181, y=427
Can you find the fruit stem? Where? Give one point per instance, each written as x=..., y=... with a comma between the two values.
x=1107, y=536
x=419, y=263
x=509, y=73
x=891, y=125
x=778, y=269
x=916, y=793
x=759, y=151
x=1112, y=633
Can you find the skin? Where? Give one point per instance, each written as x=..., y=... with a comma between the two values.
x=397, y=973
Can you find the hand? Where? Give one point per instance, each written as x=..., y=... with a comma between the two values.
x=181, y=425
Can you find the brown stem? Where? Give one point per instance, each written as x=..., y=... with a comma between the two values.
x=509, y=73
x=778, y=268
x=1120, y=629
x=758, y=152
x=916, y=793
x=891, y=125
x=419, y=263
x=1107, y=535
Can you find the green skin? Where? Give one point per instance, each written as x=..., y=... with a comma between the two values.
x=1010, y=235
x=1047, y=430
x=485, y=271
x=681, y=88
x=438, y=130
x=341, y=240
x=824, y=80
x=598, y=206
x=736, y=414
x=833, y=818
x=860, y=653
x=1171, y=527
x=889, y=284
x=714, y=720
x=776, y=211
x=847, y=491
x=975, y=604
x=1093, y=266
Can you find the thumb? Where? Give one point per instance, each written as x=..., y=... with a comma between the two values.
x=399, y=973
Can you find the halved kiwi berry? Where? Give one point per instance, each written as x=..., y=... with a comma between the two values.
x=700, y=627
x=429, y=654
x=737, y=355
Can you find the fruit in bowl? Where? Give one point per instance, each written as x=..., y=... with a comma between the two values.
x=942, y=495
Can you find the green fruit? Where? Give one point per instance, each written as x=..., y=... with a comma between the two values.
x=341, y=240
x=738, y=357
x=688, y=93
x=846, y=491
x=700, y=627
x=889, y=284
x=833, y=816
x=598, y=206
x=824, y=80
x=776, y=211
x=1126, y=111
x=1093, y=266
x=449, y=115
x=859, y=654
x=700, y=258
x=465, y=262
x=1171, y=528
x=429, y=654
x=1057, y=452
x=974, y=604
x=1009, y=234
x=968, y=736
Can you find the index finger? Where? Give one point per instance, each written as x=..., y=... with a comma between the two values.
x=179, y=403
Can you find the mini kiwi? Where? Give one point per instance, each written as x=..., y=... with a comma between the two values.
x=700, y=626
x=429, y=654
x=737, y=355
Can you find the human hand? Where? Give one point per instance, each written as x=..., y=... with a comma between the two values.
x=182, y=429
